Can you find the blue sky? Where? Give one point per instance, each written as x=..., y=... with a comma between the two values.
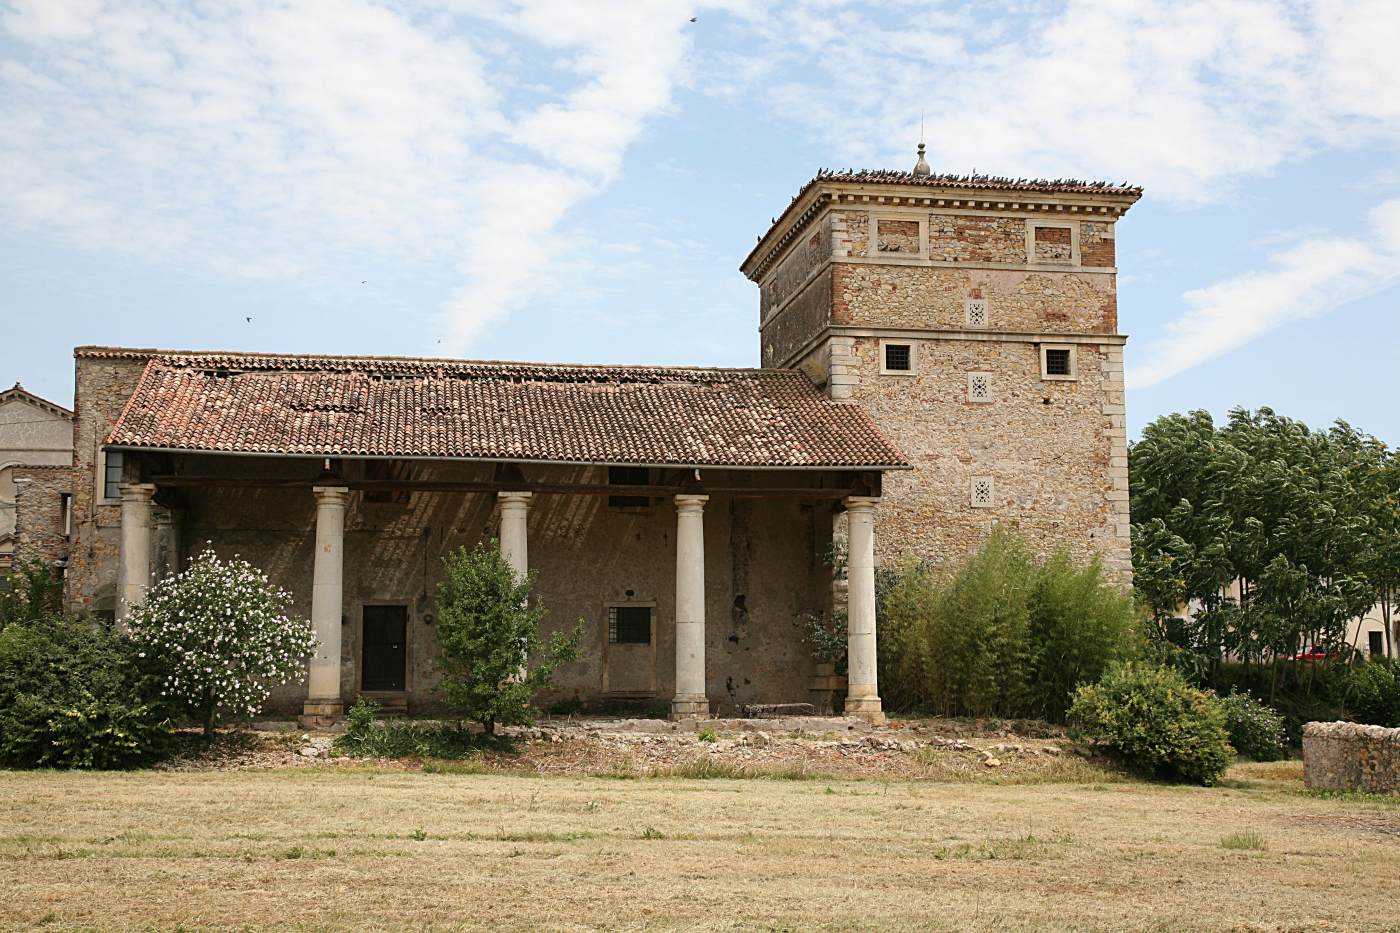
x=575, y=180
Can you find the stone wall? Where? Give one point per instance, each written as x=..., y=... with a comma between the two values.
x=969, y=238
x=1047, y=447
x=1345, y=756
x=1055, y=451
x=1096, y=244
x=873, y=295
x=763, y=567
x=39, y=517
x=102, y=384
x=785, y=332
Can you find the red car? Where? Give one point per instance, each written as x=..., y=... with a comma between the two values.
x=1311, y=653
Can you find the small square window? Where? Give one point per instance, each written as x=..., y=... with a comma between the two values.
x=983, y=492
x=112, y=475
x=1057, y=362
x=629, y=476
x=899, y=358
x=629, y=625
x=976, y=309
x=979, y=387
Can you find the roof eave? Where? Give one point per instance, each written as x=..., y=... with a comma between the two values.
x=342, y=455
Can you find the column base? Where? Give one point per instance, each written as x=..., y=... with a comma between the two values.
x=866, y=708
x=321, y=713
x=690, y=706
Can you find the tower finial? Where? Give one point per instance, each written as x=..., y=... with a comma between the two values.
x=921, y=166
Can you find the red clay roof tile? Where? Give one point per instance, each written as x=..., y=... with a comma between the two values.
x=457, y=409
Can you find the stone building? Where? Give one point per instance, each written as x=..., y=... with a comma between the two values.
x=36, y=453
x=939, y=354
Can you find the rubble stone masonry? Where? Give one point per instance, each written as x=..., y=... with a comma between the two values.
x=1347, y=756
x=39, y=512
x=1050, y=453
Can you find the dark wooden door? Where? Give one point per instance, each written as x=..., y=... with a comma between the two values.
x=384, y=648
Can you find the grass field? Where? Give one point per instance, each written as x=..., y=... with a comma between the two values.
x=377, y=849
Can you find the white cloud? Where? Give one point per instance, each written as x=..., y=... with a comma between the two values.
x=1311, y=278
x=1182, y=96
x=271, y=139
x=1189, y=98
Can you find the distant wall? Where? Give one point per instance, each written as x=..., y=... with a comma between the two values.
x=1348, y=756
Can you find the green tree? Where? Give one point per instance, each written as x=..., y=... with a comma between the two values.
x=491, y=656
x=225, y=635
x=32, y=591
x=1265, y=530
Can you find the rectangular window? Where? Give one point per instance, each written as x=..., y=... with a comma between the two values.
x=112, y=475
x=629, y=625
x=983, y=492
x=65, y=513
x=1376, y=642
x=629, y=476
x=896, y=358
x=1057, y=362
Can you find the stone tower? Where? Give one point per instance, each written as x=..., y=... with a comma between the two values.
x=976, y=319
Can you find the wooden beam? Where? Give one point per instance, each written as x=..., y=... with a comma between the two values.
x=488, y=486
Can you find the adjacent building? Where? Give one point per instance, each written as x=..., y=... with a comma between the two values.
x=36, y=454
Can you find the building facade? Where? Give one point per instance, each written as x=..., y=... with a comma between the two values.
x=976, y=319
x=36, y=453
x=939, y=355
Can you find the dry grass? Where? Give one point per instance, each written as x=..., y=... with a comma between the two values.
x=370, y=848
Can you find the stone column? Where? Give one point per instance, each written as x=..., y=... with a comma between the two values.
x=690, y=700
x=134, y=567
x=515, y=509
x=323, y=692
x=862, y=691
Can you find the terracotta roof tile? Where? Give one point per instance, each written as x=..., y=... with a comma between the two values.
x=456, y=409
x=974, y=182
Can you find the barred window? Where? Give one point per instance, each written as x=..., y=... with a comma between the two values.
x=629, y=625
x=898, y=357
x=1057, y=362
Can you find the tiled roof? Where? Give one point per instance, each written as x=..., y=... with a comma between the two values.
x=974, y=182
x=455, y=409
x=23, y=394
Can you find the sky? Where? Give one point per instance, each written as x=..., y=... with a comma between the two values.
x=578, y=180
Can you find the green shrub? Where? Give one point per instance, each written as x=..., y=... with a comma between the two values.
x=31, y=591
x=1153, y=721
x=490, y=653
x=1001, y=633
x=1256, y=731
x=73, y=694
x=225, y=633
x=1373, y=696
x=366, y=736
x=956, y=643
x=1081, y=624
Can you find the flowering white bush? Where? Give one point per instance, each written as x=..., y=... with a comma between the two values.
x=225, y=634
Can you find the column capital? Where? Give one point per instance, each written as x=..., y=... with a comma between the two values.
x=138, y=492
x=515, y=498
x=860, y=503
x=688, y=502
x=331, y=495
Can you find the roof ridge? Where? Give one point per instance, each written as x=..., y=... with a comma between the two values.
x=264, y=356
x=19, y=391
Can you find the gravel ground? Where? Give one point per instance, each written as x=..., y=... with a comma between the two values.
x=635, y=748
